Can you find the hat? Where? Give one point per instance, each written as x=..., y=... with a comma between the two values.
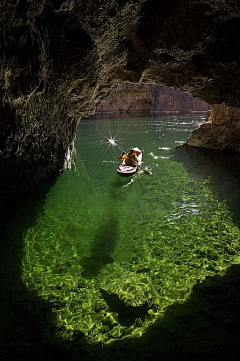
x=136, y=150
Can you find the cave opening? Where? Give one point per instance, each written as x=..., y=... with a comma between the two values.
x=131, y=97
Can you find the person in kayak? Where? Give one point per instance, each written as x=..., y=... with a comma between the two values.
x=130, y=158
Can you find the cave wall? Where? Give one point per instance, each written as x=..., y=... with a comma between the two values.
x=60, y=59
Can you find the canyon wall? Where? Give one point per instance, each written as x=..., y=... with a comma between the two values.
x=132, y=97
x=221, y=131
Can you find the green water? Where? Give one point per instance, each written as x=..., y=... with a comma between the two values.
x=111, y=254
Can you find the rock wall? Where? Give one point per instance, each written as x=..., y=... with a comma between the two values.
x=132, y=97
x=221, y=131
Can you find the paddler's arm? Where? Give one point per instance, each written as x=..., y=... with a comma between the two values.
x=123, y=156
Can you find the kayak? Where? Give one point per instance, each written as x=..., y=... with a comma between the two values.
x=128, y=170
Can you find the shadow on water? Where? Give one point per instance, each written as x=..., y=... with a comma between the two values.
x=103, y=245
x=126, y=314
x=18, y=179
x=220, y=168
x=26, y=321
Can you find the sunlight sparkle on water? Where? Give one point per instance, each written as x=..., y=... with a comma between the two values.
x=112, y=141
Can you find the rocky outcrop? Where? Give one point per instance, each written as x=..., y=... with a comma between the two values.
x=132, y=97
x=221, y=131
x=61, y=59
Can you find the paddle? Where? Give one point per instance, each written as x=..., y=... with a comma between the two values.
x=112, y=141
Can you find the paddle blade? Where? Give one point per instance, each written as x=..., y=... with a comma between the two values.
x=146, y=171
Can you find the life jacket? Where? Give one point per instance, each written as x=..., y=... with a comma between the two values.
x=129, y=159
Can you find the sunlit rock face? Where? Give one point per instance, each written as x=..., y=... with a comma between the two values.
x=60, y=59
x=132, y=97
x=221, y=131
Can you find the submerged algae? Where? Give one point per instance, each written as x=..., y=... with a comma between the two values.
x=184, y=235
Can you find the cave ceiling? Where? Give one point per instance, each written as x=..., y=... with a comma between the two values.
x=88, y=47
